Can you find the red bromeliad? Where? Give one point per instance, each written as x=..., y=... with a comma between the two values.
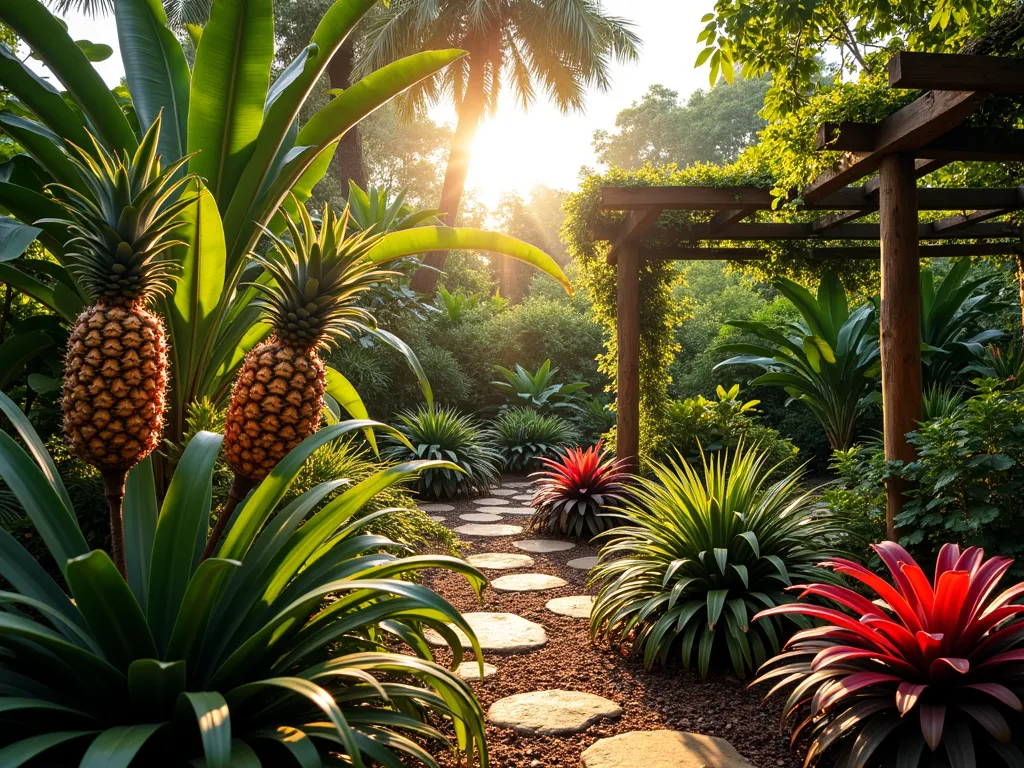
x=926, y=664
x=575, y=489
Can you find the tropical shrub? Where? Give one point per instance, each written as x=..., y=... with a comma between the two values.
x=238, y=658
x=916, y=672
x=699, y=553
x=1005, y=364
x=697, y=425
x=576, y=492
x=445, y=434
x=828, y=360
x=537, y=390
x=523, y=437
x=592, y=419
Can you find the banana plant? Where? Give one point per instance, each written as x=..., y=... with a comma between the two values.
x=241, y=133
x=278, y=651
x=829, y=361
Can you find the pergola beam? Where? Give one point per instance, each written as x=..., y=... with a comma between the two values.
x=960, y=72
x=825, y=253
x=962, y=143
x=638, y=223
x=959, y=227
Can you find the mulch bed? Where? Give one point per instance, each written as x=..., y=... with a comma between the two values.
x=661, y=699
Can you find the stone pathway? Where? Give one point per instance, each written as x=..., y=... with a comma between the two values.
x=557, y=706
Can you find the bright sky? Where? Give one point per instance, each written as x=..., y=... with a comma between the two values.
x=516, y=150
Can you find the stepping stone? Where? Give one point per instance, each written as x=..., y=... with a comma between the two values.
x=490, y=502
x=470, y=671
x=499, y=561
x=575, y=607
x=523, y=497
x=527, y=582
x=582, y=563
x=523, y=511
x=437, y=518
x=497, y=633
x=437, y=508
x=480, y=517
x=662, y=749
x=543, y=546
x=517, y=483
x=553, y=713
x=503, y=492
x=489, y=529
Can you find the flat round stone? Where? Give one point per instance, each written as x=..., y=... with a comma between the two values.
x=662, y=749
x=553, y=713
x=582, y=563
x=437, y=518
x=527, y=582
x=522, y=511
x=489, y=529
x=480, y=517
x=503, y=492
x=575, y=607
x=470, y=671
x=490, y=502
x=542, y=546
x=497, y=633
x=523, y=497
x=517, y=483
x=499, y=561
x=437, y=507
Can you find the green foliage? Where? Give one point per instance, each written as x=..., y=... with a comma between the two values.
x=700, y=554
x=698, y=426
x=523, y=437
x=444, y=434
x=537, y=390
x=593, y=419
x=1005, y=364
x=858, y=495
x=455, y=305
x=711, y=127
x=234, y=657
x=828, y=360
x=970, y=475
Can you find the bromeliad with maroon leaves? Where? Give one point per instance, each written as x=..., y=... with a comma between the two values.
x=928, y=673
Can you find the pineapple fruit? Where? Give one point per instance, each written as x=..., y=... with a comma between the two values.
x=279, y=393
x=115, y=370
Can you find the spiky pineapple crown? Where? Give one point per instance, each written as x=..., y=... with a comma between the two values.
x=122, y=215
x=318, y=279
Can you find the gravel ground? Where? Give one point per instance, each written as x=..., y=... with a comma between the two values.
x=672, y=699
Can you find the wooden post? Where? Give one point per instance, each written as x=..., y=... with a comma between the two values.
x=900, y=319
x=628, y=375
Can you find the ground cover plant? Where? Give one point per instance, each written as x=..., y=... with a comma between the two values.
x=909, y=671
x=238, y=656
x=444, y=434
x=523, y=437
x=700, y=552
x=577, y=492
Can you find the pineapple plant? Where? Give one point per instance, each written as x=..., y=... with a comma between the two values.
x=115, y=372
x=311, y=304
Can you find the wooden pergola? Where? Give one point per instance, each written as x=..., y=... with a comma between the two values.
x=914, y=141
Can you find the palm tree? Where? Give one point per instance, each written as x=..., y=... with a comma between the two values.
x=562, y=47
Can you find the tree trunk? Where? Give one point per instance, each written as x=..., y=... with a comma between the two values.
x=349, y=157
x=471, y=112
x=1020, y=285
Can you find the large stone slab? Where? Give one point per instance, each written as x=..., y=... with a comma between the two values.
x=543, y=546
x=662, y=749
x=582, y=563
x=552, y=713
x=575, y=607
x=480, y=517
x=437, y=507
x=489, y=529
x=503, y=491
x=521, y=511
x=527, y=582
x=498, y=633
x=523, y=497
x=499, y=561
x=490, y=501
x=470, y=671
